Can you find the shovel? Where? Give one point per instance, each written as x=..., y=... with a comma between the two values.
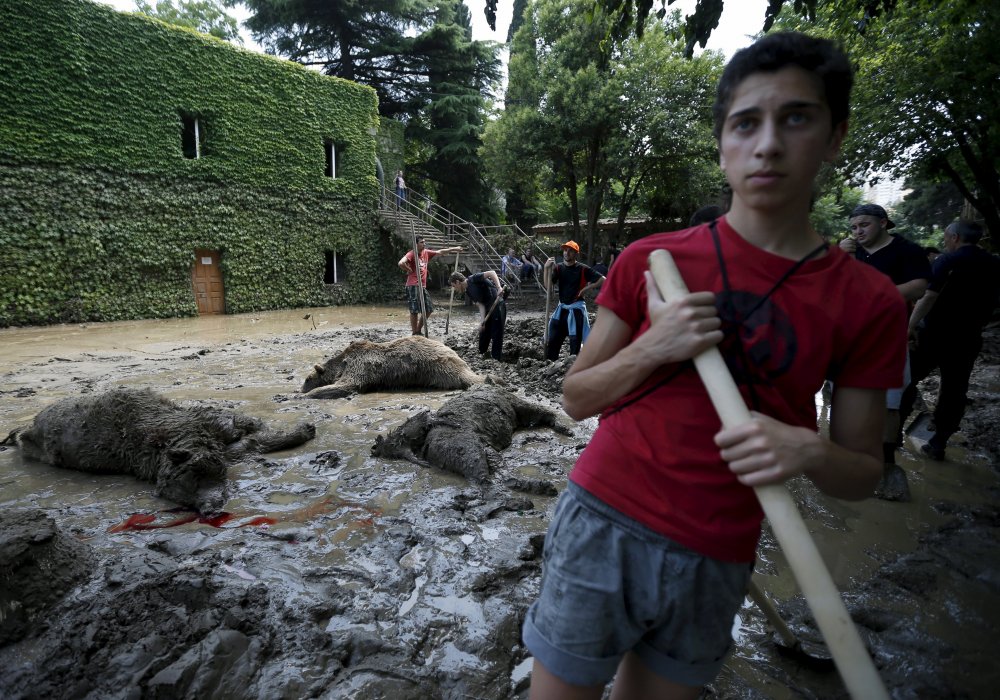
x=849, y=653
x=811, y=655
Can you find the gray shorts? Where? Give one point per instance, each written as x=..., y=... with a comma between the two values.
x=413, y=301
x=612, y=585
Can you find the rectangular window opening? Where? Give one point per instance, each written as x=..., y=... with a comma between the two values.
x=336, y=268
x=333, y=153
x=192, y=136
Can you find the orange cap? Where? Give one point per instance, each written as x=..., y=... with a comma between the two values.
x=572, y=245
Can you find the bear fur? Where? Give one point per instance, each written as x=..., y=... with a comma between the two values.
x=467, y=433
x=412, y=362
x=185, y=452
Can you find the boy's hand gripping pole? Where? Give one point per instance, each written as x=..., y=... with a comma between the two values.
x=849, y=654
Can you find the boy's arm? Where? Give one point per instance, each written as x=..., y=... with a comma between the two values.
x=609, y=366
x=404, y=263
x=847, y=465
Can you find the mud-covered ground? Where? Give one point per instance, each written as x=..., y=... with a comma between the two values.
x=338, y=574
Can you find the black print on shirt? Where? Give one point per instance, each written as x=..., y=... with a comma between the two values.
x=759, y=343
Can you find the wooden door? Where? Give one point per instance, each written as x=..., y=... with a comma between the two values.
x=206, y=278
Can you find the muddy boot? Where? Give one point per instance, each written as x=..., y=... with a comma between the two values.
x=894, y=485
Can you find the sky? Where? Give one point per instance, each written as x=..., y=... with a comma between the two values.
x=740, y=17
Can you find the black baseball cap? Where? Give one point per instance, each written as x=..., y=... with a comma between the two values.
x=872, y=210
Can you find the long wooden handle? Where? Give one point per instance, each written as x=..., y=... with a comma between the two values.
x=848, y=651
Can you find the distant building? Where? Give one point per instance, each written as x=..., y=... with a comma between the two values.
x=886, y=191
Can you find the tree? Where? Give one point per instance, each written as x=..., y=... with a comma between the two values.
x=928, y=208
x=926, y=98
x=460, y=75
x=206, y=16
x=369, y=42
x=923, y=107
x=621, y=123
x=629, y=15
x=420, y=58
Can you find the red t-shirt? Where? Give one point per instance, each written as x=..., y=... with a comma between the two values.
x=425, y=257
x=654, y=459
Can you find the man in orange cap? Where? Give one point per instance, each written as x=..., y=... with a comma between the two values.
x=570, y=317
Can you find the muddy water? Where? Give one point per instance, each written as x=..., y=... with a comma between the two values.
x=390, y=580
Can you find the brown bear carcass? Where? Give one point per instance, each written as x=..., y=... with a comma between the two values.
x=184, y=451
x=412, y=362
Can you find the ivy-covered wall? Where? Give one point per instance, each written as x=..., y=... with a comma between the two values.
x=100, y=210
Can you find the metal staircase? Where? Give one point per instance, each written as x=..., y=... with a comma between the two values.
x=419, y=215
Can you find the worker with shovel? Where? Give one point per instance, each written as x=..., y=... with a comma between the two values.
x=651, y=546
x=417, y=299
x=487, y=292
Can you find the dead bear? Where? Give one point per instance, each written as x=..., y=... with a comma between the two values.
x=412, y=362
x=466, y=434
x=184, y=451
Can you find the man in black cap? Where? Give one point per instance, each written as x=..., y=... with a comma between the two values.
x=907, y=266
x=947, y=324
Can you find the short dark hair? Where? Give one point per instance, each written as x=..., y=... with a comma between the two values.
x=818, y=56
x=418, y=239
x=456, y=277
x=967, y=231
x=707, y=213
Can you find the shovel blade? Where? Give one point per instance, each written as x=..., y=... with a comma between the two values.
x=921, y=427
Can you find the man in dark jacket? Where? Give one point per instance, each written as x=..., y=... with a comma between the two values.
x=946, y=327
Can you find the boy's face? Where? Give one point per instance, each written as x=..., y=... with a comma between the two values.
x=775, y=137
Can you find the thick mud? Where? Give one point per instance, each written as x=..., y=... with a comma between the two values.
x=336, y=573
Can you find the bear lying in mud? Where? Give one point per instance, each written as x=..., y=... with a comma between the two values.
x=413, y=362
x=184, y=451
x=466, y=434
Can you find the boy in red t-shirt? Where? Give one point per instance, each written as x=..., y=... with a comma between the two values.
x=651, y=547
x=417, y=284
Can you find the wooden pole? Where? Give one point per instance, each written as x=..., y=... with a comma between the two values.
x=842, y=638
x=546, y=282
x=420, y=279
x=451, y=299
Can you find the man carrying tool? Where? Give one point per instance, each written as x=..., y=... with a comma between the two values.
x=651, y=546
x=484, y=288
x=416, y=281
x=570, y=317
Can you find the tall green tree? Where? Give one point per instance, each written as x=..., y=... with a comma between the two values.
x=630, y=15
x=925, y=100
x=206, y=16
x=420, y=58
x=923, y=107
x=619, y=123
x=461, y=74
x=370, y=42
